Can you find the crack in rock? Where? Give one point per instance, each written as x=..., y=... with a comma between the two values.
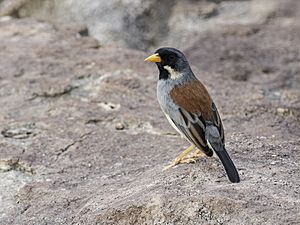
x=19, y=132
x=132, y=127
x=54, y=93
x=68, y=147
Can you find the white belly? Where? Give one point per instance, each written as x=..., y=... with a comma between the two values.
x=173, y=125
x=166, y=103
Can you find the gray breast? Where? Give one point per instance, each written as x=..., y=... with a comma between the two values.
x=168, y=106
x=163, y=96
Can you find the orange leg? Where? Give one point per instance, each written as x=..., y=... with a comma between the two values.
x=183, y=159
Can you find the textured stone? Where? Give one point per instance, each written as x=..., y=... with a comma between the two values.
x=148, y=24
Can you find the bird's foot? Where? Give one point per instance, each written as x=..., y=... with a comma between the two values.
x=198, y=154
x=187, y=160
x=181, y=159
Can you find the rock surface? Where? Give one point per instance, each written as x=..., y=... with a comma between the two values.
x=147, y=24
x=83, y=140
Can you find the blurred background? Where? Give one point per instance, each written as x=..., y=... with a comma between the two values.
x=147, y=24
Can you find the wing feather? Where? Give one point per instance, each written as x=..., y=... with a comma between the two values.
x=192, y=127
x=218, y=122
x=195, y=109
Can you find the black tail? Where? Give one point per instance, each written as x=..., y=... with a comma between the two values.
x=214, y=141
x=229, y=166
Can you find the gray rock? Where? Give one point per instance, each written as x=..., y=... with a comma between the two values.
x=149, y=24
x=132, y=23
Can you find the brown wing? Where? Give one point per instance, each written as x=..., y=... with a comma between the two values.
x=197, y=108
x=194, y=98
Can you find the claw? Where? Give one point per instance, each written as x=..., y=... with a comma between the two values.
x=181, y=159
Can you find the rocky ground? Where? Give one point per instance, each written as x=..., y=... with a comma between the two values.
x=83, y=140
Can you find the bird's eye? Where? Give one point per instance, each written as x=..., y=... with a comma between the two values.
x=171, y=57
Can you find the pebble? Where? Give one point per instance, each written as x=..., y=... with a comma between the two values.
x=119, y=126
x=282, y=110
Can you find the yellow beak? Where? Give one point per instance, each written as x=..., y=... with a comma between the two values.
x=153, y=58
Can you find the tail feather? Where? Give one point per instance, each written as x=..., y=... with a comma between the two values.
x=229, y=166
x=214, y=141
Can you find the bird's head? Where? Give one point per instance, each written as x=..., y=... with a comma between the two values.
x=171, y=63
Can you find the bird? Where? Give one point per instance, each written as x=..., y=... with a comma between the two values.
x=190, y=109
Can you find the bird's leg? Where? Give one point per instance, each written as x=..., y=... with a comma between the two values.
x=179, y=158
x=196, y=155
